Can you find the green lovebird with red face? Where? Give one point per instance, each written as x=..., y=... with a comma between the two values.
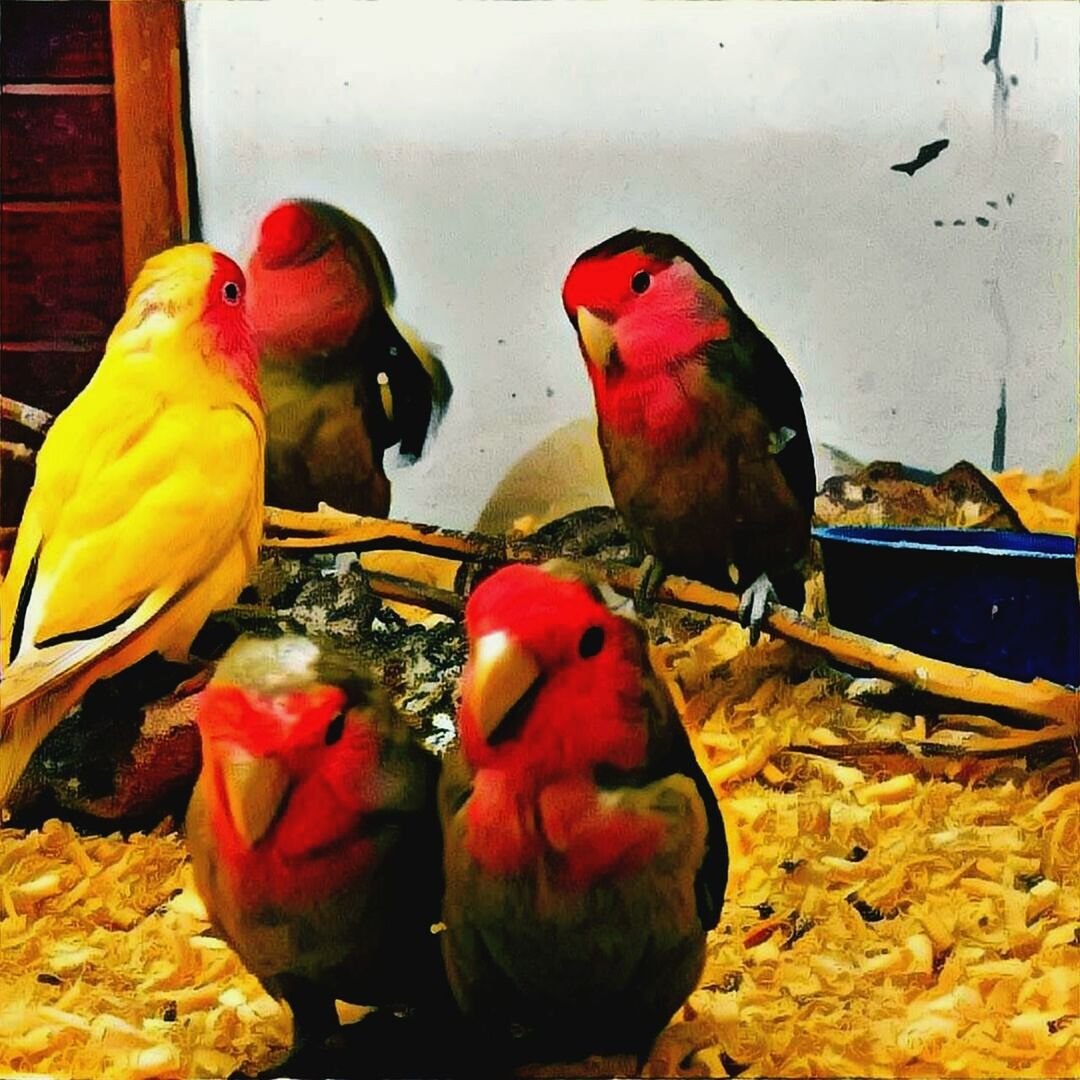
x=585, y=857
x=314, y=837
x=700, y=420
x=344, y=379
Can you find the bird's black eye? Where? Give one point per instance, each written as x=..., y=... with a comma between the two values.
x=335, y=729
x=230, y=292
x=641, y=281
x=592, y=641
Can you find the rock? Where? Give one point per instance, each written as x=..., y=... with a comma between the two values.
x=889, y=493
x=160, y=768
x=978, y=499
x=130, y=750
x=597, y=532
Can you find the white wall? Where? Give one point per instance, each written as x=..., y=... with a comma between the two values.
x=487, y=145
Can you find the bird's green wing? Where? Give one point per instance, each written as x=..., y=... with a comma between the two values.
x=670, y=753
x=750, y=364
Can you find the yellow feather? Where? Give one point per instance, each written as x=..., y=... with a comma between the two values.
x=146, y=513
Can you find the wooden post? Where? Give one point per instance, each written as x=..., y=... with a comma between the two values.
x=147, y=39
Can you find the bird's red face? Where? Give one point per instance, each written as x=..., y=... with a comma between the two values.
x=291, y=235
x=225, y=313
x=641, y=321
x=553, y=682
x=306, y=296
x=610, y=285
x=291, y=774
x=552, y=691
x=636, y=313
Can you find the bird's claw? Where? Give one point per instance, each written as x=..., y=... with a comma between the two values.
x=754, y=603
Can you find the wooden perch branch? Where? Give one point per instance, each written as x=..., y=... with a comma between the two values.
x=1040, y=698
x=1049, y=739
x=329, y=530
x=29, y=417
x=390, y=587
x=15, y=452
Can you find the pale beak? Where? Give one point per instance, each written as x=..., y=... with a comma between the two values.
x=502, y=673
x=386, y=396
x=596, y=337
x=255, y=788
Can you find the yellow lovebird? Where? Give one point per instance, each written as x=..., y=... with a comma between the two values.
x=146, y=512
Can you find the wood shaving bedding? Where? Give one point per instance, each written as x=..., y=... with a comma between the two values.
x=1046, y=502
x=106, y=967
x=877, y=923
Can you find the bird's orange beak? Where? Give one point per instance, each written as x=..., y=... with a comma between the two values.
x=255, y=789
x=597, y=337
x=502, y=672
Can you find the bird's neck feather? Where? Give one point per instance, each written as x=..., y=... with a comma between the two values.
x=187, y=353
x=657, y=404
x=283, y=872
x=654, y=387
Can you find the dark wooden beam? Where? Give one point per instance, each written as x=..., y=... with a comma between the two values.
x=149, y=79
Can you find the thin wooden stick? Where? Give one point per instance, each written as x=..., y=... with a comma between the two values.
x=329, y=530
x=1040, y=698
x=15, y=452
x=389, y=587
x=979, y=746
x=28, y=416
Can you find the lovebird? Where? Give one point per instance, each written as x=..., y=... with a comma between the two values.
x=147, y=507
x=344, y=378
x=314, y=838
x=700, y=421
x=585, y=855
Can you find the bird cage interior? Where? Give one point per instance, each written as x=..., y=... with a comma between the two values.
x=539, y=540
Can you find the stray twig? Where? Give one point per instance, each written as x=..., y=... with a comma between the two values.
x=404, y=591
x=331, y=530
x=16, y=452
x=28, y=416
x=1052, y=737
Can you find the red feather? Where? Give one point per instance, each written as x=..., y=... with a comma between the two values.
x=306, y=296
x=318, y=844
x=284, y=234
x=535, y=795
x=649, y=390
x=225, y=313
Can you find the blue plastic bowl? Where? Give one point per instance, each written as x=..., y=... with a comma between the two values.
x=1003, y=601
